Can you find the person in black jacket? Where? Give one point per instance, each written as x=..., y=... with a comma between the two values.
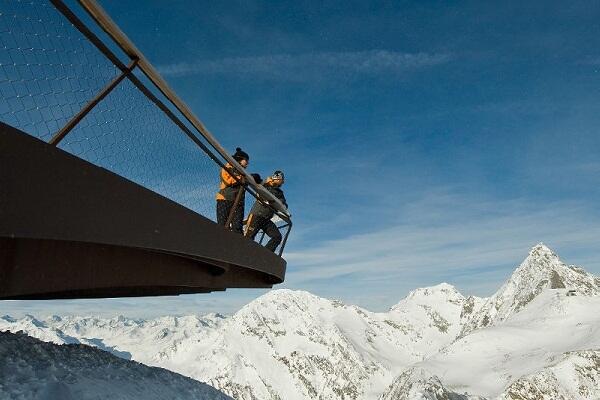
x=261, y=214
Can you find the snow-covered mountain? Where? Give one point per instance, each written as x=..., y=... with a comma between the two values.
x=544, y=310
x=318, y=348
x=442, y=307
x=487, y=361
x=33, y=369
x=542, y=269
x=290, y=344
x=435, y=342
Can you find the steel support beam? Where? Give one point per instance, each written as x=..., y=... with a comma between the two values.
x=60, y=135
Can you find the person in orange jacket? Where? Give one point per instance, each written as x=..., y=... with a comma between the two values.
x=231, y=183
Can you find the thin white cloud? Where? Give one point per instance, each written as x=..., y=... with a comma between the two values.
x=464, y=239
x=298, y=67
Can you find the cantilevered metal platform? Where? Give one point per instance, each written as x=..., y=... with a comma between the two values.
x=70, y=229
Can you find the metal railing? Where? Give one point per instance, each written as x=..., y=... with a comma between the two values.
x=60, y=82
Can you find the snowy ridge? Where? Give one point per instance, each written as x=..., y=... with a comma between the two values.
x=286, y=343
x=311, y=347
x=124, y=337
x=418, y=384
x=572, y=375
x=33, y=369
x=576, y=375
x=294, y=345
x=542, y=269
x=487, y=361
x=441, y=306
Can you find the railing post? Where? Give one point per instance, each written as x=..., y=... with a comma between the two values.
x=60, y=135
x=285, y=238
x=238, y=197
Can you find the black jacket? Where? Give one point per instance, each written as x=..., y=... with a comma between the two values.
x=260, y=210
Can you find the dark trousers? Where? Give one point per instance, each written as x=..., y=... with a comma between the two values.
x=224, y=208
x=257, y=223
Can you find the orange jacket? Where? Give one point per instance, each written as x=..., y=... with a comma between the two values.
x=229, y=186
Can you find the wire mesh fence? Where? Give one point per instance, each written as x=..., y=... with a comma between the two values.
x=127, y=134
x=48, y=70
x=54, y=79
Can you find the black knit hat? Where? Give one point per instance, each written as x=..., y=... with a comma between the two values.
x=240, y=155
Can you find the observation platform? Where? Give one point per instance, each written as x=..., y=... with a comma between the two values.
x=101, y=164
x=71, y=229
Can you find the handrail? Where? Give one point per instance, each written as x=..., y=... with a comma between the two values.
x=110, y=27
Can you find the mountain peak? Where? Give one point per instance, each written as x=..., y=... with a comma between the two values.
x=286, y=295
x=442, y=291
x=439, y=288
x=540, y=251
x=541, y=270
x=282, y=299
x=540, y=262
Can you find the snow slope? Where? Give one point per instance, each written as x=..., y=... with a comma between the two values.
x=418, y=384
x=32, y=369
x=575, y=375
x=524, y=344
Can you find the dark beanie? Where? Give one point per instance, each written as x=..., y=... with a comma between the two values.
x=240, y=155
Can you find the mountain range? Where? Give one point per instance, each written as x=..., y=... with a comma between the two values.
x=537, y=337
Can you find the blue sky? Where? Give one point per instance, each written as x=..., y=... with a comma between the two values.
x=422, y=141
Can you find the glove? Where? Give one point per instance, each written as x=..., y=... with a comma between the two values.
x=257, y=178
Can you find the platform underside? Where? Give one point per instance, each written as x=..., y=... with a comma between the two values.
x=70, y=229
